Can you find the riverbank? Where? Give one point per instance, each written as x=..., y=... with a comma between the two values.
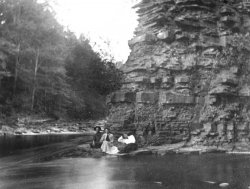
x=49, y=130
x=30, y=126
x=79, y=148
x=44, y=126
x=84, y=150
x=183, y=148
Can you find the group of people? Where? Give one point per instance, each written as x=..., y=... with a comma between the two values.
x=105, y=141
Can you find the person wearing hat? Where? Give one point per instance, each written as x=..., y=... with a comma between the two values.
x=96, y=139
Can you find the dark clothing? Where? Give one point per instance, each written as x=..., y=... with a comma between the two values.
x=97, y=137
x=128, y=148
x=107, y=138
x=96, y=140
x=97, y=145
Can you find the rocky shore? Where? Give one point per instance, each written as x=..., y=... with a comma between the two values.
x=78, y=148
x=84, y=150
x=44, y=126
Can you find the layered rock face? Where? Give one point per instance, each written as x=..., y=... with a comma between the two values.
x=188, y=73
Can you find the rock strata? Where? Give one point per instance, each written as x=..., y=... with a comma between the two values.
x=187, y=77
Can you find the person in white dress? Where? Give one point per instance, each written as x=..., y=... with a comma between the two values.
x=107, y=143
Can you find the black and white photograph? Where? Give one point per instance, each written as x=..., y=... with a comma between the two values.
x=124, y=94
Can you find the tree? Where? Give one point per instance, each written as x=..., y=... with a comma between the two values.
x=52, y=71
x=39, y=41
x=91, y=78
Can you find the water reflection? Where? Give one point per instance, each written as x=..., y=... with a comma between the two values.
x=9, y=144
x=172, y=171
x=25, y=170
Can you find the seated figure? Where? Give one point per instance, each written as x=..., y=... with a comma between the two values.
x=128, y=143
x=107, y=143
x=96, y=139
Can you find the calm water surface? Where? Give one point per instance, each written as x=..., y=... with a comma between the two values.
x=141, y=172
x=11, y=144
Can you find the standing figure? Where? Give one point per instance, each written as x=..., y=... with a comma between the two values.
x=107, y=143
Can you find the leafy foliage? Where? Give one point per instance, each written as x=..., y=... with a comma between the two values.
x=51, y=70
x=91, y=77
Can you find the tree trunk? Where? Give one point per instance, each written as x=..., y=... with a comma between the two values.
x=34, y=80
x=16, y=69
x=45, y=101
x=16, y=23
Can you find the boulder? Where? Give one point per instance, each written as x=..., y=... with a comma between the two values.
x=182, y=79
x=222, y=90
x=223, y=185
x=141, y=79
x=7, y=130
x=244, y=91
x=144, y=38
x=84, y=147
x=165, y=35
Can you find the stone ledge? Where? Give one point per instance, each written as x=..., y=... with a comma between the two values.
x=146, y=97
x=121, y=97
x=178, y=148
x=146, y=38
x=170, y=98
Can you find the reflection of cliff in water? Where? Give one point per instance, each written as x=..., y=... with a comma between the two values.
x=171, y=171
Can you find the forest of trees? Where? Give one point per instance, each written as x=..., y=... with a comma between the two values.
x=45, y=69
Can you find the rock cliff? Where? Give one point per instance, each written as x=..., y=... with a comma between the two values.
x=187, y=76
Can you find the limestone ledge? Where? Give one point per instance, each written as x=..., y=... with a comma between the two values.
x=84, y=150
x=185, y=73
x=76, y=148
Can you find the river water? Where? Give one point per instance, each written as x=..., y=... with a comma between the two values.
x=173, y=171
x=12, y=143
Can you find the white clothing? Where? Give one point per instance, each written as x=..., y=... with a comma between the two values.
x=129, y=140
x=107, y=146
